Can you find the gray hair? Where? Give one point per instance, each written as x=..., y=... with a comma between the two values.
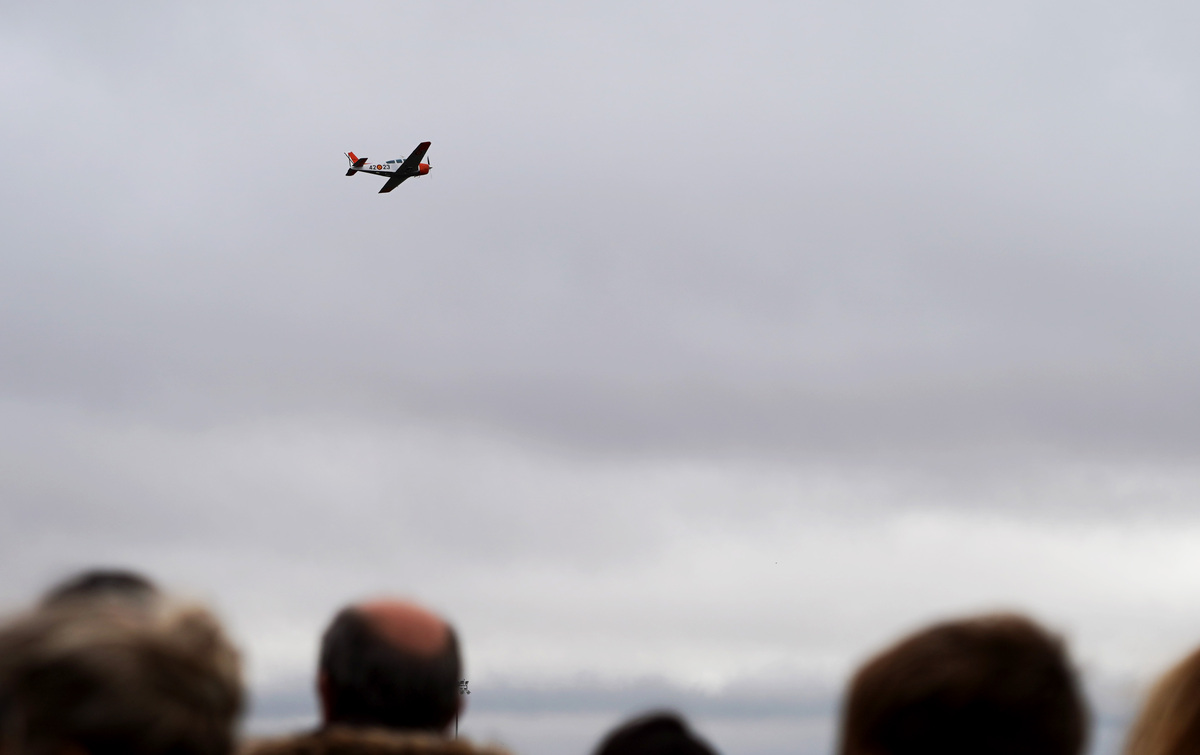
x=162, y=678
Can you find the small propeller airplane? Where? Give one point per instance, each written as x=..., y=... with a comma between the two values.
x=397, y=171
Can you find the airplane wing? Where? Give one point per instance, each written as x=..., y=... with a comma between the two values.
x=406, y=169
x=411, y=162
x=393, y=182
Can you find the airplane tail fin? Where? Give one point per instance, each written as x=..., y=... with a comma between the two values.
x=356, y=162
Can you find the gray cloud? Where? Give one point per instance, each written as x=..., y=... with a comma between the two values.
x=818, y=230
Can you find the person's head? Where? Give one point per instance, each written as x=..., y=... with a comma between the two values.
x=91, y=679
x=993, y=685
x=653, y=734
x=1169, y=723
x=105, y=585
x=390, y=664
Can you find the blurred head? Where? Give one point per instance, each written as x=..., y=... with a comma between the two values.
x=391, y=664
x=101, y=680
x=1169, y=723
x=994, y=685
x=653, y=734
x=103, y=585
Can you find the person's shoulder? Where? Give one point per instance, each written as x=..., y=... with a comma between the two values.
x=344, y=740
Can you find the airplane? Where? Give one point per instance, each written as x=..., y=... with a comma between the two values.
x=397, y=171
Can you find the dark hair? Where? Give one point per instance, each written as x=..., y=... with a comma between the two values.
x=653, y=734
x=994, y=685
x=102, y=584
x=371, y=682
x=164, y=681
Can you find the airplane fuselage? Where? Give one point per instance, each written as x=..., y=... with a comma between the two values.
x=391, y=167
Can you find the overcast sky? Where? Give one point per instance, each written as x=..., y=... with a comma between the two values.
x=723, y=343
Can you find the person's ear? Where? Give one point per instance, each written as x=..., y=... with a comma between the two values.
x=450, y=726
x=323, y=695
x=460, y=704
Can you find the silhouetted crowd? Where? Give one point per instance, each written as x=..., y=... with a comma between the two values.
x=109, y=664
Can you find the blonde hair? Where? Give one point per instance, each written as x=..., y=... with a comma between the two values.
x=139, y=679
x=1169, y=723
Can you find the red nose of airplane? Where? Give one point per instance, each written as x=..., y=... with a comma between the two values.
x=424, y=168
